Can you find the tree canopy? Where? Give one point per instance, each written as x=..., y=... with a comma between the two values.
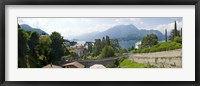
x=149, y=41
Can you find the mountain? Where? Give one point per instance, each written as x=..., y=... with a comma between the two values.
x=127, y=35
x=29, y=28
x=121, y=32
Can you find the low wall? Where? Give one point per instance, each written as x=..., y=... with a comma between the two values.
x=88, y=63
x=161, y=62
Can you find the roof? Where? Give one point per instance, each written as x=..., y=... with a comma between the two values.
x=53, y=66
x=97, y=66
x=76, y=64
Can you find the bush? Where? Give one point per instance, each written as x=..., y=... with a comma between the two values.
x=164, y=46
x=122, y=51
x=178, y=39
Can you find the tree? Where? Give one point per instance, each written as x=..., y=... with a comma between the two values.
x=23, y=48
x=32, y=43
x=175, y=29
x=172, y=36
x=114, y=43
x=181, y=32
x=149, y=41
x=103, y=41
x=107, y=51
x=18, y=26
x=175, y=33
x=97, y=47
x=107, y=40
x=57, y=47
x=165, y=35
x=43, y=50
x=89, y=44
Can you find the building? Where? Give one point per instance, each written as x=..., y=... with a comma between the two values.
x=80, y=50
x=73, y=65
x=52, y=66
x=138, y=45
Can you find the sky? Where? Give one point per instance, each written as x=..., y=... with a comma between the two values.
x=71, y=27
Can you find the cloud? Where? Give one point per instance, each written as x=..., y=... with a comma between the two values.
x=168, y=26
x=70, y=27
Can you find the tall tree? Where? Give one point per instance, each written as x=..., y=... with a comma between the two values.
x=57, y=47
x=114, y=43
x=23, y=48
x=103, y=41
x=181, y=33
x=97, y=47
x=107, y=40
x=89, y=45
x=43, y=50
x=165, y=35
x=175, y=29
x=18, y=26
x=32, y=43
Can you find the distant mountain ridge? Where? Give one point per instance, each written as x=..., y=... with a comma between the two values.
x=121, y=32
x=29, y=28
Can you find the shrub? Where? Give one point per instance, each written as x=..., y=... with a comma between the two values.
x=164, y=46
x=123, y=51
x=178, y=39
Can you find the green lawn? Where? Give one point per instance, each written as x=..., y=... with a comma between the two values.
x=130, y=64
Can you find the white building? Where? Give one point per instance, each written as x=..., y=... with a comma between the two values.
x=138, y=45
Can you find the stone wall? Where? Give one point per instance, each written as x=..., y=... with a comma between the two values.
x=163, y=59
x=161, y=62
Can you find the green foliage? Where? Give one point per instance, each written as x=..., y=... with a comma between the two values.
x=118, y=61
x=107, y=40
x=89, y=44
x=100, y=44
x=33, y=41
x=175, y=30
x=23, y=48
x=165, y=35
x=97, y=47
x=115, y=44
x=130, y=64
x=149, y=41
x=178, y=40
x=57, y=47
x=122, y=51
x=131, y=48
x=39, y=50
x=149, y=66
x=164, y=46
x=43, y=49
x=175, y=33
x=107, y=51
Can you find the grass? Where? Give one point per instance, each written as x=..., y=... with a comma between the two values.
x=164, y=46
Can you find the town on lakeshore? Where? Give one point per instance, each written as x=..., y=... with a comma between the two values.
x=100, y=42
